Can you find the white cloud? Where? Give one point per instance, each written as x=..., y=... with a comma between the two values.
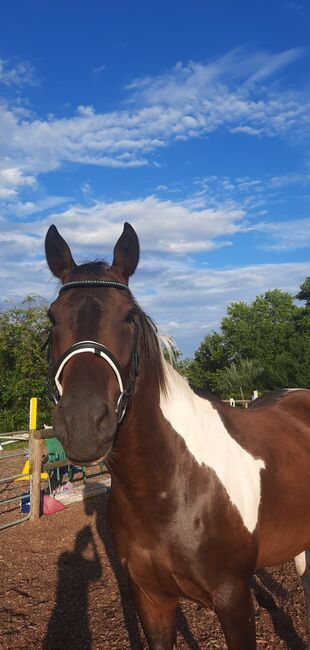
x=249, y=194
x=248, y=130
x=26, y=208
x=267, y=65
x=189, y=101
x=285, y=235
x=186, y=83
x=12, y=179
x=20, y=74
x=99, y=68
x=166, y=226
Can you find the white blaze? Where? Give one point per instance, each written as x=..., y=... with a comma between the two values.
x=208, y=440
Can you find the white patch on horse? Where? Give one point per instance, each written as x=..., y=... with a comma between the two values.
x=207, y=439
x=300, y=563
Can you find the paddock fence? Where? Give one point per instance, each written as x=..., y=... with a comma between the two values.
x=241, y=403
x=26, y=490
x=6, y=485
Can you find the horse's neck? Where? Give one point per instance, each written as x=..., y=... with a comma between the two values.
x=164, y=430
x=142, y=452
x=175, y=439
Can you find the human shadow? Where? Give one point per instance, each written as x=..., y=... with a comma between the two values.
x=263, y=584
x=98, y=505
x=184, y=629
x=68, y=625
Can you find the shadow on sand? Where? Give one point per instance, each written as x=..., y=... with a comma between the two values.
x=68, y=626
x=263, y=584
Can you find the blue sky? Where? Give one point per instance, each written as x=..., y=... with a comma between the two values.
x=191, y=120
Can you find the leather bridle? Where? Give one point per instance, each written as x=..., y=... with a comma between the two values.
x=100, y=350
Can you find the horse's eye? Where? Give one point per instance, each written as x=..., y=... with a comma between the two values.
x=131, y=316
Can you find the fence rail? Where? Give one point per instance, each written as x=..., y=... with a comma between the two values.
x=8, y=480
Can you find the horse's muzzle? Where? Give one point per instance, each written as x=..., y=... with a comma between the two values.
x=87, y=434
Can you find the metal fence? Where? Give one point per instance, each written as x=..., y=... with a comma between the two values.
x=8, y=480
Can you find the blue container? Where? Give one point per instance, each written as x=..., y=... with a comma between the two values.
x=25, y=502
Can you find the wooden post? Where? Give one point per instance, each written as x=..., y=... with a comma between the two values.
x=35, y=455
x=36, y=451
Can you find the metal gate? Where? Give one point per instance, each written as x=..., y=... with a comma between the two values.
x=8, y=480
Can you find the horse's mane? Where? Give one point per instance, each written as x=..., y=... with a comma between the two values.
x=152, y=347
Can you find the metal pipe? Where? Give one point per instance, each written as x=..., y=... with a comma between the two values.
x=20, y=453
x=9, y=479
x=11, y=499
x=13, y=523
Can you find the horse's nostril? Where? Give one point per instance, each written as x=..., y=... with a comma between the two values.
x=104, y=419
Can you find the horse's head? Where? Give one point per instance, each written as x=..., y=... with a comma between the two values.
x=93, y=345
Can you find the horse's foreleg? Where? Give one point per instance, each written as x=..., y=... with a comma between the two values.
x=234, y=607
x=302, y=562
x=157, y=614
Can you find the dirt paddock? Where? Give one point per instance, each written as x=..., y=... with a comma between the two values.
x=61, y=587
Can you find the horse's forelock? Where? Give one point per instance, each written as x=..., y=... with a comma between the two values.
x=95, y=267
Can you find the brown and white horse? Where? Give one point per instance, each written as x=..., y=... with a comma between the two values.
x=202, y=494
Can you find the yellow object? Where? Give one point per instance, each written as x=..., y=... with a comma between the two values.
x=26, y=470
x=33, y=413
x=32, y=425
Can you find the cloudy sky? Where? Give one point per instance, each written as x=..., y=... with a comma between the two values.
x=190, y=120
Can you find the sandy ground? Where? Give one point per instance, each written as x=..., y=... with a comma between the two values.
x=62, y=587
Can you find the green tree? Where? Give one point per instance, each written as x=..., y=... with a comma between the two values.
x=238, y=380
x=210, y=357
x=265, y=331
x=304, y=291
x=23, y=365
x=262, y=345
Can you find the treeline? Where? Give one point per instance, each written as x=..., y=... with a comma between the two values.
x=263, y=345
x=23, y=364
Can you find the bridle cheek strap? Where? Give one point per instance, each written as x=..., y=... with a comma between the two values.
x=101, y=351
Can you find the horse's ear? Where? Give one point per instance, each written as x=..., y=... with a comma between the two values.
x=126, y=252
x=58, y=254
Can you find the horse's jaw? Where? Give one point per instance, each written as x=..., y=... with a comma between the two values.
x=91, y=463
